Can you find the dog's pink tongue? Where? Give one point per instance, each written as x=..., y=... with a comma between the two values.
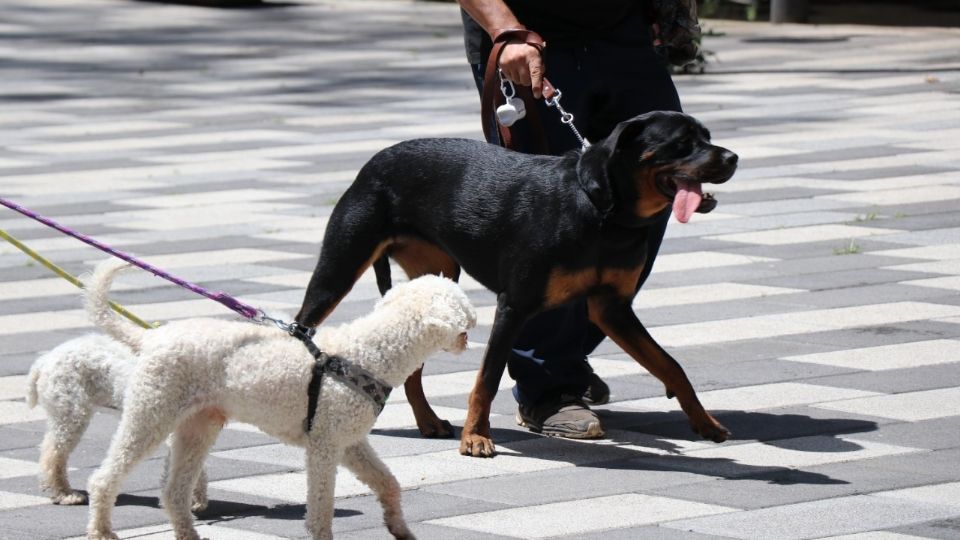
x=687, y=200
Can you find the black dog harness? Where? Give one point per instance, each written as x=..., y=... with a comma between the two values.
x=350, y=374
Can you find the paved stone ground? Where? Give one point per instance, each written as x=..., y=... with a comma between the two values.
x=817, y=310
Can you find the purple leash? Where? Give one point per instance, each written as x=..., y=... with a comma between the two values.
x=245, y=310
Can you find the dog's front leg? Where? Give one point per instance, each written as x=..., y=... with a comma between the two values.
x=475, y=440
x=322, y=462
x=616, y=318
x=430, y=425
x=362, y=460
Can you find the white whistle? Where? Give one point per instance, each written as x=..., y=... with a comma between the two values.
x=511, y=111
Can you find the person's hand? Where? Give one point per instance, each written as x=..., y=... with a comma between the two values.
x=522, y=64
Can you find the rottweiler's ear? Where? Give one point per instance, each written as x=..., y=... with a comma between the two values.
x=624, y=133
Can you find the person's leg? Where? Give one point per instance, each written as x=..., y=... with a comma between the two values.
x=601, y=85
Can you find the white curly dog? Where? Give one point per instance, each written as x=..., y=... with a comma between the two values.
x=71, y=382
x=193, y=375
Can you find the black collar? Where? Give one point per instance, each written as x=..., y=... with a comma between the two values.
x=352, y=375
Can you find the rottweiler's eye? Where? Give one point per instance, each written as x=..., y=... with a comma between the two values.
x=681, y=147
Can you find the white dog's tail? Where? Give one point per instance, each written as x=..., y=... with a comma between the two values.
x=97, y=301
x=32, y=385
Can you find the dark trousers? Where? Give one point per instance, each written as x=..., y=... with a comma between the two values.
x=602, y=83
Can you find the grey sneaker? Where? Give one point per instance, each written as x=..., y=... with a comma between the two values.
x=598, y=393
x=564, y=416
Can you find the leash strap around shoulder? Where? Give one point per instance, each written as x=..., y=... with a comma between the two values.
x=491, y=97
x=352, y=375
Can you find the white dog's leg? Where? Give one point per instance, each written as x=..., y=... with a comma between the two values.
x=362, y=460
x=322, y=463
x=64, y=430
x=200, y=499
x=192, y=439
x=143, y=427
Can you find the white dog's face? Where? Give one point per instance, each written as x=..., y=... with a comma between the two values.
x=444, y=308
x=459, y=345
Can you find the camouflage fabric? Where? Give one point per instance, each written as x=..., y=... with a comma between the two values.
x=352, y=375
x=359, y=379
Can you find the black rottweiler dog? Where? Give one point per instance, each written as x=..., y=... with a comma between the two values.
x=539, y=231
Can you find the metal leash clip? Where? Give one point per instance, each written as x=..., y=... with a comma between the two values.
x=565, y=117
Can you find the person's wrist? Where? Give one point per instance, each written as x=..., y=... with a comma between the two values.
x=498, y=32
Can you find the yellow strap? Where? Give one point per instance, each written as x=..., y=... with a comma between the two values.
x=65, y=275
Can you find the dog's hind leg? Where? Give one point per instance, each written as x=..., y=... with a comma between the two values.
x=143, y=427
x=618, y=321
x=356, y=237
x=191, y=441
x=381, y=268
x=417, y=258
x=64, y=430
x=362, y=460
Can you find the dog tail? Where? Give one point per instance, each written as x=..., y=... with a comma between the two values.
x=381, y=267
x=32, y=379
x=97, y=302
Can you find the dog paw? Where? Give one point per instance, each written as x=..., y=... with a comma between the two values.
x=74, y=498
x=711, y=430
x=199, y=506
x=475, y=445
x=440, y=429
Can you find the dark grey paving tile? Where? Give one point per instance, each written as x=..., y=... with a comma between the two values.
x=840, y=154
x=896, y=381
x=841, y=279
x=794, y=486
x=870, y=336
x=650, y=532
x=884, y=172
x=942, y=529
x=583, y=482
x=935, y=434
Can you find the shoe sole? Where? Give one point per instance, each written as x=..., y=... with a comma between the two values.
x=594, y=430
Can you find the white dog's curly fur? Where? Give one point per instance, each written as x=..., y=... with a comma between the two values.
x=71, y=382
x=192, y=375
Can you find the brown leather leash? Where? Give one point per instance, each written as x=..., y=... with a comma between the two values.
x=491, y=98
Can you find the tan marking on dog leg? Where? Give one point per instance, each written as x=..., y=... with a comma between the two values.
x=617, y=320
x=622, y=280
x=563, y=285
x=377, y=253
x=476, y=440
x=430, y=425
x=419, y=257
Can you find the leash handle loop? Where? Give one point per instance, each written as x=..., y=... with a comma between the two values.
x=490, y=98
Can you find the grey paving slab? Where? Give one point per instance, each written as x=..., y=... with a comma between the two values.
x=872, y=335
x=651, y=532
x=613, y=477
x=252, y=156
x=842, y=515
x=944, y=529
x=784, y=487
x=897, y=380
